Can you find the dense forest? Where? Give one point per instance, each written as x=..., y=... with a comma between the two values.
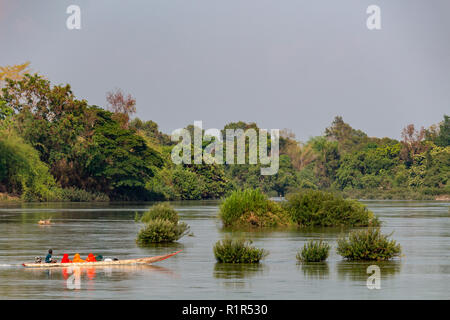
x=55, y=147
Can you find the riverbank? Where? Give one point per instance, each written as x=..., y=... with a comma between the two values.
x=6, y=198
x=397, y=194
x=357, y=195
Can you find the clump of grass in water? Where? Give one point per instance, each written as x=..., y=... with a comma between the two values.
x=251, y=207
x=318, y=208
x=160, y=211
x=368, y=244
x=161, y=230
x=314, y=251
x=161, y=225
x=238, y=251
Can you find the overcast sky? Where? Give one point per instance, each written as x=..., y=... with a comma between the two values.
x=281, y=63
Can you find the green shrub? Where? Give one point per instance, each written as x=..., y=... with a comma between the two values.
x=187, y=184
x=368, y=244
x=237, y=251
x=314, y=251
x=251, y=207
x=161, y=225
x=160, y=211
x=21, y=170
x=80, y=195
x=160, y=230
x=318, y=208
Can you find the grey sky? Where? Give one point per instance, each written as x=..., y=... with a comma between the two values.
x=284, y=64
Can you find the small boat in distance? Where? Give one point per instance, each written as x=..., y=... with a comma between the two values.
x=147, y=260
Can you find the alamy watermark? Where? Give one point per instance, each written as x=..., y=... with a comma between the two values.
x=373, y=21
x=374, y=280
x=191, y=148
x=74, y=281
x=73, y=22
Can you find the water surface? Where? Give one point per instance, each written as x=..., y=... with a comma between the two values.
x=423, y=272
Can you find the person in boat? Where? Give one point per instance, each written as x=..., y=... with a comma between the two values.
x=48, y=258
x=91, y=258
x=77, y=258
x=66, y=259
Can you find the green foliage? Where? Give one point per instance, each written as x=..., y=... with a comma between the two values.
x=80, y=195
x=443, y=139
x=307, y=179
x=161, y=225
x=85, y=147
x=161, y=230
x=151, y=130
x=241, y=202
x=348, y=138
x=49, y=118
x=248, y=176
x=22, y=172
x=187, y=184
x=212, y=178
x=431, y=168
x=367, y=168
x=318, y=208
x=162, y=211
x=314, y=251
x=121, y=159
x=369, y=244
x=5, y=110
x=252, y=208
x=238, y=251
x=93, y=155
x=396, y=193
x=328, y=159
x=161, y=187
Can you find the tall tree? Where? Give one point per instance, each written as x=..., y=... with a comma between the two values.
x=121, y=160
x=49, y=118
x=412, y=143
x=123, y=106
x=443, y=139
x=348, y=138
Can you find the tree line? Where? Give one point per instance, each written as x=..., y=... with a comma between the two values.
x=55, y=147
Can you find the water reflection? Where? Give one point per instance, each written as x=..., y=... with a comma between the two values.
x=174, y=246
x=235, y=275
x=78, y=277
x=357, y=270
x=315, y=270
x=237, y=270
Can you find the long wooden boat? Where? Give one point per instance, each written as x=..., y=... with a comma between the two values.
x=147, y=260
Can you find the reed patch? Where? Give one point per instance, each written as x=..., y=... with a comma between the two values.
x=160, y=211
x=317, y=208
x=368, y=244
x=238, y=251
x=250, y=207
x=314, y=251
x=161, y=225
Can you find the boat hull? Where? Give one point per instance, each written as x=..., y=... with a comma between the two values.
x=147, y=260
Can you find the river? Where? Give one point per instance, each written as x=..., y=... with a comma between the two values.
x=421, y=227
